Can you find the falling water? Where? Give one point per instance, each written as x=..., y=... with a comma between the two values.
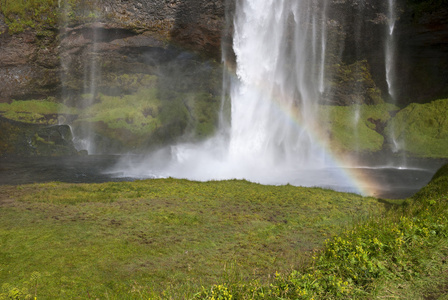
x=91, y=73
x=390, y=68
x=278, y=71
x=273, y=136
x=390, y=49
x=323, y=47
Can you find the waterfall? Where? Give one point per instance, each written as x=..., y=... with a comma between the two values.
x=273, y=135
x=279, y=50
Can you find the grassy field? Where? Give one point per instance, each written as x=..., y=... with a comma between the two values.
x=177, y=239
x=162, y=237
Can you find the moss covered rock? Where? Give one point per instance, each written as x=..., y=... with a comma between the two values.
x=146, y=119
x=352, y=84
x=22, y=139
x=356, y=128
x=22, y=14
x=421, y=129
x=44, y=112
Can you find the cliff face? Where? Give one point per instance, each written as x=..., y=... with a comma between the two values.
x=32, y=62
x=29, y=66
x=157, y=56
x=420, y=44
x=194, y=24
x=422, y=58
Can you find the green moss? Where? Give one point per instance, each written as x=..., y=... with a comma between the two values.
x=35, y=111
x=356, y=127
x=150, y=116
x=9, y=137
x=352, y=84
x=422, y=129
x=21, y=139
x=43, y=15
x=204, y=108
x=137, y=113
x=23, y=14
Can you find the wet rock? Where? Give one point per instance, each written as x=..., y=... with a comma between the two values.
x=22, y=139
x=29, y=66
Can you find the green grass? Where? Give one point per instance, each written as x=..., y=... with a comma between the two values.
x=162, y=237
x=400, y=255
x=177, y=239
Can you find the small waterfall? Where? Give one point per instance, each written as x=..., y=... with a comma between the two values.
x=87, y=65
x=91, y=76
x=323, y=47
x=390, y=53
x=390, y=49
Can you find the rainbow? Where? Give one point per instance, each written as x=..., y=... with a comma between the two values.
x=363, y=184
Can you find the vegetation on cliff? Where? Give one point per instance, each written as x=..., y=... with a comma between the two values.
x=351, y=84
x=43, y=15
x=142, y=120
x=36, y=111
x=356, y=128
x=421, y=129
x=22, y=14
x=23, y=139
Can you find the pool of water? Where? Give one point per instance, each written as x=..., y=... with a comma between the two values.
x=383, y=181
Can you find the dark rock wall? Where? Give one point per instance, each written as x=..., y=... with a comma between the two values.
x=34, y=66
x=29, y=66
x=194, y=24
x=422, y=58
x=420, y=42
